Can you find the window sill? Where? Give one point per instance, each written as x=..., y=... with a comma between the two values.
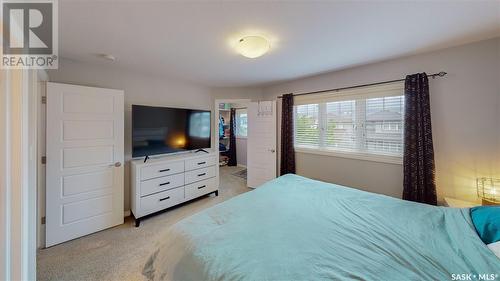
x=353, y=155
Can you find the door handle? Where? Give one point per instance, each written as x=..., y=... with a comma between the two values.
x=272, y=150
x=117, y=164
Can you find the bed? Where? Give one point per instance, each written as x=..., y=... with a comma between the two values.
x=295, y=228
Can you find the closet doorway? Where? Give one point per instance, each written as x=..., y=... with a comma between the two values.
x=231, y=127
x=246, y=139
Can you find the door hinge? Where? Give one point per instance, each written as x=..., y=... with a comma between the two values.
x=43, y=220
x=44, y=99
x=44, y=159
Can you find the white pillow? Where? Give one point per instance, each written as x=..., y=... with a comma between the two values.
x=495, y=247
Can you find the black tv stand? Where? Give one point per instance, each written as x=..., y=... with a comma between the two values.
x=146, y=158
x=199, y=150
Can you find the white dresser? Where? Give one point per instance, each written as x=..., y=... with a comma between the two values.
x=166, y=181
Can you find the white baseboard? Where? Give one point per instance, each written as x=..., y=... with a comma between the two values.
x=126, y=213
x=241, y=165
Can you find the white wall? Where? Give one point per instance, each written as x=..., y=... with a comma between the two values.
x=465, y=109
x=139, y=89
x=253, y=93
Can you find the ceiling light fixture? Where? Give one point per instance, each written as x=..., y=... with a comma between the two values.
x=253, y=46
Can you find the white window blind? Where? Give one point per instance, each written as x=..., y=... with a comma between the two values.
x=384, y=125
x=340, y=125
x=367, y=121
x=307, y=128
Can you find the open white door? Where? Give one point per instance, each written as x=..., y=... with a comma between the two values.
x=84, y=191
x=261, y=143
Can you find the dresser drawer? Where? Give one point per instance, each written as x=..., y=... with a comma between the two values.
x=162, y=200
x=200, y=174
x=160, y=170
x=194, y=164
x=161, y=184
x=200, y=188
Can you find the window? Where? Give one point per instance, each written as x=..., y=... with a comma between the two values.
x=340, y=125
x=241, y=123
x=385, y=113
x=307, y=125
x=366, y=123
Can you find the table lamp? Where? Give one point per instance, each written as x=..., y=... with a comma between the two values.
x=488, y=189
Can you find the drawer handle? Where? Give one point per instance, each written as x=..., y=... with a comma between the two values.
x=168, y=197
x=199, y=175
x=201, y=163
x=200, y=187
x=164, y=170
x=165, y=183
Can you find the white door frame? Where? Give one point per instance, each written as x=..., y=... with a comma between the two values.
x=215, y=131
x=18, y=174
x=18, y=171
x=41, y=125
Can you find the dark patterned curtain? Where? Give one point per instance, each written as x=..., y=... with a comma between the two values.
x=418, y=162
x=232, y=139
x=287, y=164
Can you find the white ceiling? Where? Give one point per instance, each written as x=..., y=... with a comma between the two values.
x=191, y=40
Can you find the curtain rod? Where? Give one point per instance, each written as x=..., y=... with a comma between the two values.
x=439, y=74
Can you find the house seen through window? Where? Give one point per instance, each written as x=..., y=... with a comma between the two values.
x=362, y=124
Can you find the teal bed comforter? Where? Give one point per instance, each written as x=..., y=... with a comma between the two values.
x=294, y=228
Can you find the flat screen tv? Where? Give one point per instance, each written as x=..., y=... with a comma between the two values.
x=162, y=130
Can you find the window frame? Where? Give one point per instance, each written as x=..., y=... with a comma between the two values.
x=387, y=90
x=236, y=134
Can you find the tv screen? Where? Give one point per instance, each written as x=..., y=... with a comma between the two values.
x=161, y=130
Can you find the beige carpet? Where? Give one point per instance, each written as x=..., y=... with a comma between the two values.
x=119, y=253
